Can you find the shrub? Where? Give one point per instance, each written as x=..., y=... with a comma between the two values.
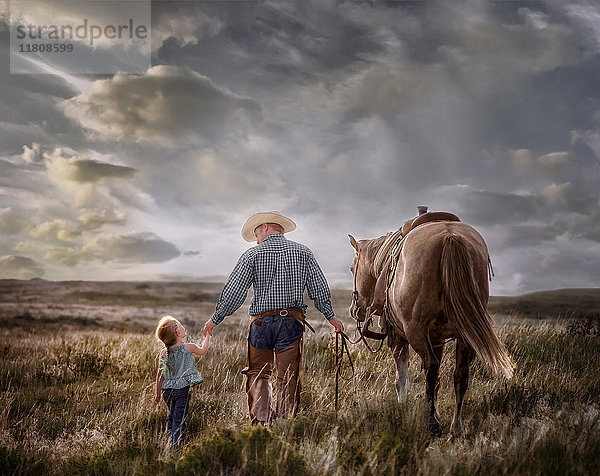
x=14, y=461
x=587, y=327
x=252, y=451
x=128, y=458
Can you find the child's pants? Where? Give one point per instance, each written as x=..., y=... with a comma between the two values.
x=177, y=401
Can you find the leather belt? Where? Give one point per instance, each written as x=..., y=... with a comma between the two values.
x=294, y=312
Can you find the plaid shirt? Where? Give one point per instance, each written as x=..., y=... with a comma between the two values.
x=279, y=270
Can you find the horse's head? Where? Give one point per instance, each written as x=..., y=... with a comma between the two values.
x=364, y=279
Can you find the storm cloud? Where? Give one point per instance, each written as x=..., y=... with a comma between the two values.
x=83, y=170
x=167, y=102
x=342, y=115
x=133, y=247
x=19, y=267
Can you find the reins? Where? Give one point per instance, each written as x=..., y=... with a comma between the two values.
x=363, y=334
x=393, y=246
x=340, y=350
x=339, y=358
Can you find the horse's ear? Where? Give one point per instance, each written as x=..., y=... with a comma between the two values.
x=353, y=242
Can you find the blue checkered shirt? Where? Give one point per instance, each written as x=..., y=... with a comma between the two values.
x=279, y=270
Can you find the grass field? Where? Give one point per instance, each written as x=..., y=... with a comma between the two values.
x=77, y=397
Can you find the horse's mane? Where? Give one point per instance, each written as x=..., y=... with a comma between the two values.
x=385, y=250
x=373, y=249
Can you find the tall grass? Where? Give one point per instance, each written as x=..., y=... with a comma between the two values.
x=76, y=400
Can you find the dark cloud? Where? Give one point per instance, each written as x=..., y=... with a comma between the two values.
x=19, y=267
x=559, y=264
x=552, y=212
x=137, y=247
x=31, y=108
x=165, y=103
x=517, y=235
x=273, y=44
x=92, y=170
x=489, y=208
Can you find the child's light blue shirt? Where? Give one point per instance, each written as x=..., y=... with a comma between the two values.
x=179, y=368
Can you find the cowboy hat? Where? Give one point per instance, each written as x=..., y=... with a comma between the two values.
x=265, y=217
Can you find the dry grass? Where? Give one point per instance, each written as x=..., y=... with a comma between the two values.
x=77, y=398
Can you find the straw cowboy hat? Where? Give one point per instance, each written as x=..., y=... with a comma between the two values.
x=265, y=217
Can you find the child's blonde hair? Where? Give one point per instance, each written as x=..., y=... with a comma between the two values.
x=166, y=330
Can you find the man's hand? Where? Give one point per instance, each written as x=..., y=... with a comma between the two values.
x=337, y=324
x=208, y=328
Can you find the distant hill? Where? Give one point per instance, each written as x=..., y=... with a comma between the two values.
x=147, y=301
x=579, y=303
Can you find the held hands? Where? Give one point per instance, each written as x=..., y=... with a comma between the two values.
x=208, y=328
x=337, y=324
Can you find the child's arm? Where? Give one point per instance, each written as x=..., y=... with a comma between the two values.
x=159, y=380
x=199, y=351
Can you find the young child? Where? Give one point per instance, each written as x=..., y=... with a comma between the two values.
x=177, y=372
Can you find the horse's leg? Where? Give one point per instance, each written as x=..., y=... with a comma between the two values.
x=464, y=356
x=399, y=346
x=432, y=385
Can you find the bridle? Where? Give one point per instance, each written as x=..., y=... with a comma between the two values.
x=362, y=324
x=363, y=332
x=354, y=307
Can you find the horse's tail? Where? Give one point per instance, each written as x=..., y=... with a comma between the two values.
x=463, y=305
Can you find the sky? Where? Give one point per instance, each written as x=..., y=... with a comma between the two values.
x=344, y=116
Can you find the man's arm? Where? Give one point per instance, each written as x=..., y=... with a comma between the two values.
x=233, y=294
x=318, y=291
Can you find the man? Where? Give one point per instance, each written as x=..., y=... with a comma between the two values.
x=279, y=270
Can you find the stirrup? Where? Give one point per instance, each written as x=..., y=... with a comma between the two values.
x=366, y=332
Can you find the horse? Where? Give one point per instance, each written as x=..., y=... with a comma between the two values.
x=437, y=290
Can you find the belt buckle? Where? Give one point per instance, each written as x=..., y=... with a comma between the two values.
x=283, y=312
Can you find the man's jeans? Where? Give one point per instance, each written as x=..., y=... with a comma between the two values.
x=273, y=342
x=177, y=401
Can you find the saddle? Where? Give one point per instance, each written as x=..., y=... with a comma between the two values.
x=427, y=218
x=381, y=287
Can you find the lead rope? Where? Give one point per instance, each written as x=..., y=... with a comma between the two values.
x=339, y=360
x=341, y=349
